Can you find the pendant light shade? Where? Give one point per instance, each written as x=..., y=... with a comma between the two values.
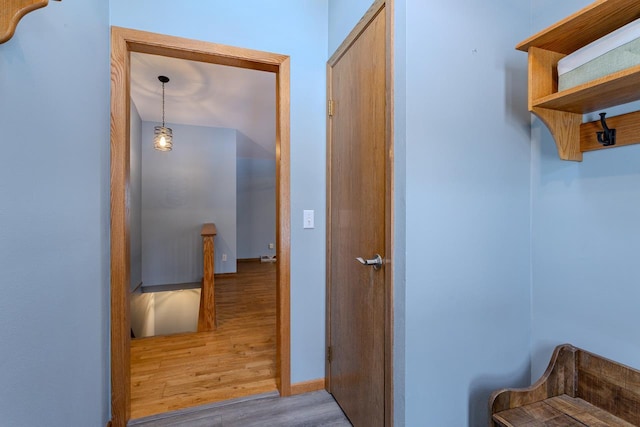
x=163, y=136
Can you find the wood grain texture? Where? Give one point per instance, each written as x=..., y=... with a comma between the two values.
x=584, y=412
x=238, y=359
x=196, y=50
x=207, y=310
x=604, y=92
x=125, y=41
x=283, y=229
x=208, y=229
x=329, y=242
x=589, y=389
x=12, y=12
x=358, y=146
x=310, y=409
x=565, y=128
x=559, y=378
x=584, y=26
x=307, y=386
x=559, y=411
x=120, y=268
x=627, y=132
x=543, y=74
x=609, y=385
x=550, y=45
x=360, y=27
x=538, y=414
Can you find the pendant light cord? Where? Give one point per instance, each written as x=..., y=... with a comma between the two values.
x=163, y=104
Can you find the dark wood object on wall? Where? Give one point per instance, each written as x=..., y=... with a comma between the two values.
x=577, y=389
x=12, y=12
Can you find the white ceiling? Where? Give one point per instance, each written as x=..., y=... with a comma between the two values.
x=211, y=95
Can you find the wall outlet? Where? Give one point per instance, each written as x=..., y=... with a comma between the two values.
x=271, y=245
x=224, y=257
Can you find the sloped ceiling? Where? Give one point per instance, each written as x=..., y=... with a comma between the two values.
x=210, y=95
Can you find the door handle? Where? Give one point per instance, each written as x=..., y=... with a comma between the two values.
x=376, y=262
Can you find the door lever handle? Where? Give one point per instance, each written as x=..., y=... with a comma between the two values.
x=376, y=262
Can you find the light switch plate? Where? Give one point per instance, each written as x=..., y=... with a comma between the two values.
x=308, y=220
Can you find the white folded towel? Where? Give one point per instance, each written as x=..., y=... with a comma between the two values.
x=619, y=37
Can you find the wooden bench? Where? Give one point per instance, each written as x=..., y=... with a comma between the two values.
x=577, y=389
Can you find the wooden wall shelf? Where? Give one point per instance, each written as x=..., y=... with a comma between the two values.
x=562, y=111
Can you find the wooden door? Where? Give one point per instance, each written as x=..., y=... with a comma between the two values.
x=357, y=186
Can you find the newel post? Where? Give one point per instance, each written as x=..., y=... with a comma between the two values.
x=207, y=314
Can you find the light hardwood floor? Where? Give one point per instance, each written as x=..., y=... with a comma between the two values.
x=179, y=371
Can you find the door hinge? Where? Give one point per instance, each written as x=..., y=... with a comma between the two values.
x=330, y=107
x=329, y=354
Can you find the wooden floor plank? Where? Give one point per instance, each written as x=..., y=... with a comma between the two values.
x=238, y=359
x=309, y=410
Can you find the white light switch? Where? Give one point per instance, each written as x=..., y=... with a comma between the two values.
x=308, y=221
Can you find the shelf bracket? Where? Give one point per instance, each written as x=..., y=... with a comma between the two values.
x=13, y=11
x=565, y=129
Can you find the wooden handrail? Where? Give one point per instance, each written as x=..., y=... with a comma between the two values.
x=207, y=314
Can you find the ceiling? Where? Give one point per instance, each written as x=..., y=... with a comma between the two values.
x=210, y=95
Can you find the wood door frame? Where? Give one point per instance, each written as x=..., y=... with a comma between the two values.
x=123, y=42
x=387, y=7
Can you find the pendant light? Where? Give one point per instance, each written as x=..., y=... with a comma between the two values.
x=163, y=139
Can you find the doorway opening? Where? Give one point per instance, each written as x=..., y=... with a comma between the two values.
x=124, y=43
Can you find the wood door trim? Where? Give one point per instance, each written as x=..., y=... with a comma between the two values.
x=123, y=42
x=379, y=6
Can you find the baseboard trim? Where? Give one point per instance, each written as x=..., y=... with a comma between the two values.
x=307, y=386
x=248, y=260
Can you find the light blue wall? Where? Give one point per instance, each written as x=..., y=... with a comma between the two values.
x=299, y=29
x=135, y=197
x=467, y=171
x=182, y=189
x=54, y=218
x=256, y=197
x=343, y=16
x=400, y=209
x=585, y=240
x=468, y=208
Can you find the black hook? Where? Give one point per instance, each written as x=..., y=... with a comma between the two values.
x=607, y=136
